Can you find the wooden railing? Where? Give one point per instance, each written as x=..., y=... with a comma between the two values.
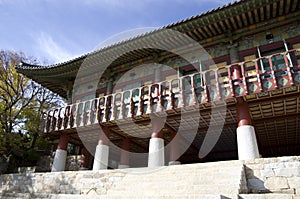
x=190, y=90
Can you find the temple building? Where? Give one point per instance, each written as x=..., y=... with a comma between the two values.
x=222, y=85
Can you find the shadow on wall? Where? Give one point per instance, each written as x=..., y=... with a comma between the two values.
x=254, y=183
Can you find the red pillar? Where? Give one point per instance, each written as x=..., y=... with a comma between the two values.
x=85, y=158
x=243, y=113
x=63, y=142
x=157, y=125
x=104, y=136
x=174, y=150
x=124, y=159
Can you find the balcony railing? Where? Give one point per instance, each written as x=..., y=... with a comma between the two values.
x=190, y=90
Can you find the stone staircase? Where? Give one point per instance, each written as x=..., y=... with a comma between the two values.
x=206, y=180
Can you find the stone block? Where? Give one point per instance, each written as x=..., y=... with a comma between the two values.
x=283, y=191
x=267, y=173
x=292, y=165
x=275, y=183
x=266, y=196
x=115, y=179
x=287, y=159
x=287, y=172
x=294, y=182
x=275, y=165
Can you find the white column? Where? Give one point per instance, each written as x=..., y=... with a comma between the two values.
x=59, y=162
x=101, y=157
x=156, y=152
x=247, y=145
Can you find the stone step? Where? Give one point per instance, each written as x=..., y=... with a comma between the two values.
x=269, y=196
x=138, y=196
x=177, y=190
x=210, y=178
x=24, y=196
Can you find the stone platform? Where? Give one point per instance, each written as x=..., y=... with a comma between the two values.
x=259, y=178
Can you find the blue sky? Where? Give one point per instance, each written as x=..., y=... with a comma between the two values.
x=58, y=30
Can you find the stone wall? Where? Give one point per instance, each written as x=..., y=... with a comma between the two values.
x=273, y=175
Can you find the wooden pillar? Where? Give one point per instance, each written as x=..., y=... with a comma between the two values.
x=124, y=159
x=85, y=159
x=60, y=157
x=174, y=150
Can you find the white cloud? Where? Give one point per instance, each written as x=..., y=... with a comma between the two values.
x=50, y=49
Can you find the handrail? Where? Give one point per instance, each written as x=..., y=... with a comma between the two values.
x=177, y=93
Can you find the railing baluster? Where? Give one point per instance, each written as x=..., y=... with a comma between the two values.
x=149, y=102
x=112, y=107
x=217, y=84
x=55, y=120
x=140, y=105
x=169, y=96
x=74, y=115
x=258, y=75
x=88, y=113
x=121, y=114
x=205, y=86
x=288, y=67
x=230, y=82
x=94, y=112
x=61, y=118
x=193, y=95
x=67, y=117
x=272, y=71
x=102, y=110
x=131, y=112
